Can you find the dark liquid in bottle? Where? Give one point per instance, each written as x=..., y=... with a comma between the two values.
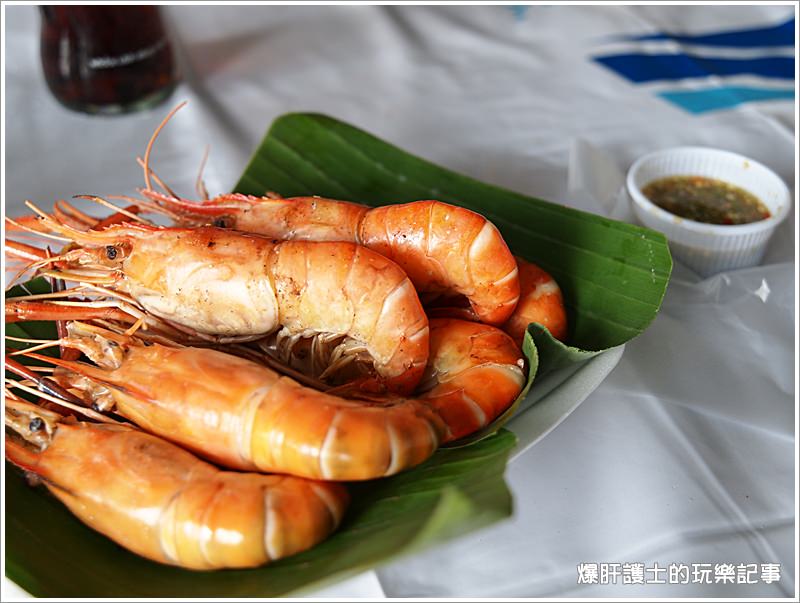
x=106, y=59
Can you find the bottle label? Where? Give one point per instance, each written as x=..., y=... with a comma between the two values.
x=128, y=58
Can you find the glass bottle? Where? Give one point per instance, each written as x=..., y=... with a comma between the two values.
x=106, y=59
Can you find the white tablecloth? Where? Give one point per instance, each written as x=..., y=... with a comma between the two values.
x=685, y=454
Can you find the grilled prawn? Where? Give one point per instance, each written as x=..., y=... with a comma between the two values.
x=339, y=299
x=162, y=502
x=444, y=249
x=245, y=416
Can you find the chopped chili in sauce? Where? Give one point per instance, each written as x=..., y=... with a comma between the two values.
x=706, y=200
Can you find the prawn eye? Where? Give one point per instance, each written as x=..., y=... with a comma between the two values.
x=111, y=252
x=223, y=222
x=36, y=424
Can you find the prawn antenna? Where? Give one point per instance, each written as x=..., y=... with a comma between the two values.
x=149, y=148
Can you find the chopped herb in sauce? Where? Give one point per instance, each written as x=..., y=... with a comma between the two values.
x=706, y=200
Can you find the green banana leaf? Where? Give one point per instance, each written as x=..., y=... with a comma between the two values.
x=50, y=553
x=613, y=276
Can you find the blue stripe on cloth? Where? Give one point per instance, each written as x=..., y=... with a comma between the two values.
x=725, y=97
x=518, y=10
x=776, y=35
x=675, y=66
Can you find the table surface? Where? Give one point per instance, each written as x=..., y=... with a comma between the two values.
x=685, y=453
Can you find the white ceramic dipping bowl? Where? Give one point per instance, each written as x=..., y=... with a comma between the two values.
x=710, y=248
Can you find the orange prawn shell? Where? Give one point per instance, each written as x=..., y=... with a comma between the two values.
x=475, y=373
x=183, y=275
x=346, y=288
x=540, y=301
x=463, y=251
x=444, y=248
x=236, y=284
x=245, y=416
x=301, y=218
x=165, y=504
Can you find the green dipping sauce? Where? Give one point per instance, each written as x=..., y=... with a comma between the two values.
x=705, y=200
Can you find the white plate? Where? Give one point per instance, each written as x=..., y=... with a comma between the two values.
x=555, y=396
